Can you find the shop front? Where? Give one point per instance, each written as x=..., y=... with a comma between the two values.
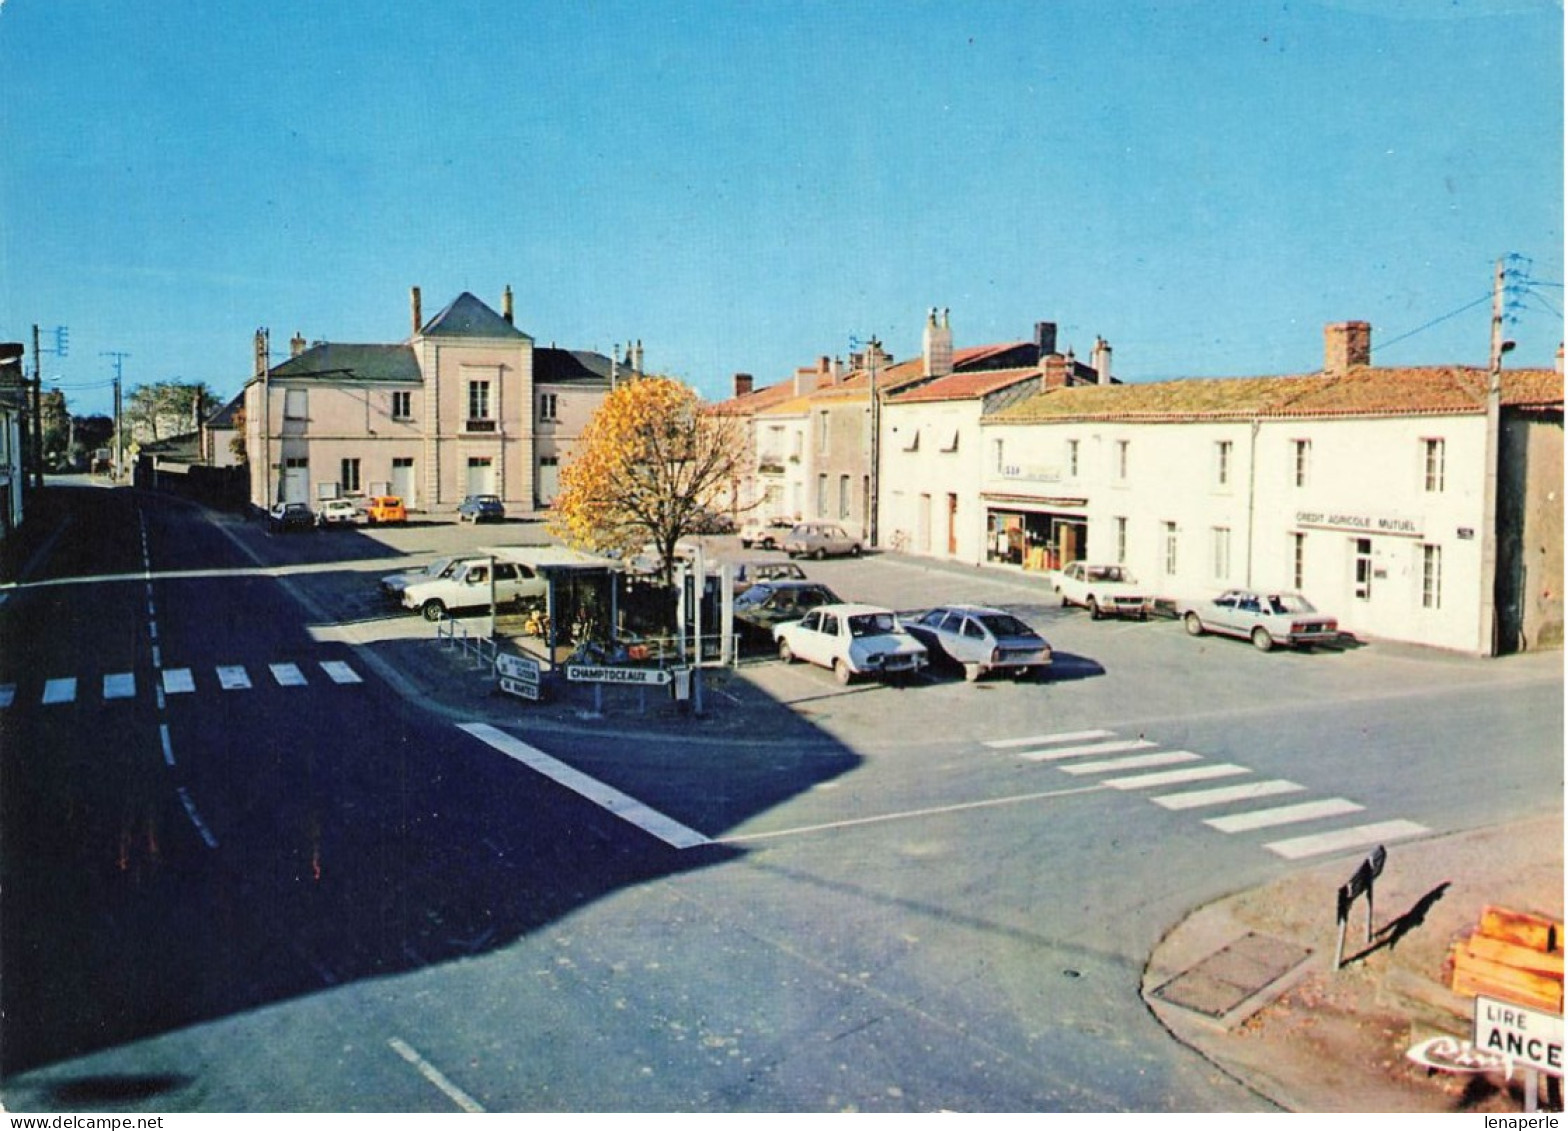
x=1035, y=534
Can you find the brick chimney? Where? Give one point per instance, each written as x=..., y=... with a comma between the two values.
x=1346, y=345
x=296, y=344
x=1559, y=359
x=937, y=347
x=506, y=304
x=1045, y=339
x=413, y=302
x=743, y=384
x=263, y=336
x=1101, y=360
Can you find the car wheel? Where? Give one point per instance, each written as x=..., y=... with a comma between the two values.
x=785, y=653
x=1194, y=625
x=842, y=673
x=854, y=551
x=433, y=610
x=1094, y=609
x=1022, y=674
x=745, y=545
x=1065, y=601
x=1261, y=640
x=971, y=672
x=820, y=554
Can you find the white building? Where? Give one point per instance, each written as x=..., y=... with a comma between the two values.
x=1364, y=487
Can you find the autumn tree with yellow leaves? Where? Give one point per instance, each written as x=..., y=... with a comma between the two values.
x=651, y=460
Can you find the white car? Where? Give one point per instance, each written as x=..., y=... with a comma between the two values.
x=1105, y=590
x=338, y=512
x=851, y=640
x=468, y=585
x=393, y=584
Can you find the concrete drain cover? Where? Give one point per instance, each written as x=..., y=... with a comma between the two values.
x=1231, y=977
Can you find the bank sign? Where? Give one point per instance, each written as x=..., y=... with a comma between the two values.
x=1529, y=1038
x=1355, y=522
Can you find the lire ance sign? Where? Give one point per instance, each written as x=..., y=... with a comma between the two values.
x=1529, y=1038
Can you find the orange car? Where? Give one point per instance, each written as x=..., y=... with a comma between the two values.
x=385, y=508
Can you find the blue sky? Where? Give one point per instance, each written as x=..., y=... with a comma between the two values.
x=747, y=186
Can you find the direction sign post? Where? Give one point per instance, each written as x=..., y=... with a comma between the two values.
x=599, y=673
x=519, y=675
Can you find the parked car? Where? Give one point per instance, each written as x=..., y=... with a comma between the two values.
x=820, y=540
x=748, y=574
x=338, y=512
x=709, y=521
x=467, y=585
x=1264, y=618
x=284, y=517
x=385, y=508
x=981, y=640
x=768, y=534
x=481, y=508
x=393, y=584
x=851, y=640
x=768, y=604
x=1105, y=590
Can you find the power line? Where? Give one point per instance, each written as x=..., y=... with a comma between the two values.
x=1437, y=321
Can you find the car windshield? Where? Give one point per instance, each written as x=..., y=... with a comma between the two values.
x=1289, y=604
x=1107, y=573
x=871, y=624
x=1005, y=624
x=754, y=596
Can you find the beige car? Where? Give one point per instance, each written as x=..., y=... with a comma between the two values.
x=820, y=540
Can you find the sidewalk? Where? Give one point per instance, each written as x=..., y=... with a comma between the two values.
x=1326, y=1041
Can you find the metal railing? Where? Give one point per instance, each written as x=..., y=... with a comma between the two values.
x=479, y=651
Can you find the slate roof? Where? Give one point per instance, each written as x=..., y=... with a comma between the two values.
x=1361, y=391
x=467, y=317
x=341, y=362
x=554, y=366
x=224, y=416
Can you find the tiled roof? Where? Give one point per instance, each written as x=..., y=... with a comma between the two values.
x=467, y=317
x=965, y=386
x=335, y=361
x=1363, y=391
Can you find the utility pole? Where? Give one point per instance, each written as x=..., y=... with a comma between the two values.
x=1488, y=640
x=118, y=358
x=36, y=453
x=876, y=448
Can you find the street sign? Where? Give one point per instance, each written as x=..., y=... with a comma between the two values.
x=523, y=669
x=1529, y=1038
x=586, y=673
x=520, y=688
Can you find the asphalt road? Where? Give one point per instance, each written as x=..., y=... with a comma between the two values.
x=308, y=893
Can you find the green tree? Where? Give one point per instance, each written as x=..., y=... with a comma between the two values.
x=164, y=409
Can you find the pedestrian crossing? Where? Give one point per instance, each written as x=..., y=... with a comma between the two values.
x=1257, y=805
x=170, y=682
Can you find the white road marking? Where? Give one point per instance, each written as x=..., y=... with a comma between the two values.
x=606, y=797
x=1058, y=752
x=1136, y=762
x=1360, y=835
x=7, y=694
x=287, y=675
x=120, y=685
x=233, y=678
x=1176, y=777
x=430, y=1072
x=168, y=746
x=1283, y=815
x=935, y=811
x=177, y=681
x=201, y=826
x=1046, y=739
x=1252, y=790
x=340, y=672
x=60, y=690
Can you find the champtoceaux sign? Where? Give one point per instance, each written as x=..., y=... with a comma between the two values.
x=585, y=673
x=1361, y=523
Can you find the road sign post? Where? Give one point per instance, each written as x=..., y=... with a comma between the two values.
x=1530, y=1039
x=519, y=675
x=1371, y=868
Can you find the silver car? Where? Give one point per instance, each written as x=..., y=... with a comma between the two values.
x=981, y=639
x=1266, y=619
x=820, y=540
